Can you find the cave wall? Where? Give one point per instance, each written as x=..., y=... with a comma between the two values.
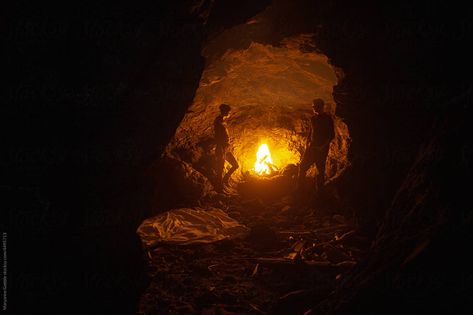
x=418, y=262
x=94, y=93
x=407, y=70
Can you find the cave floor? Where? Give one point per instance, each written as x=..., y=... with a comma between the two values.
x=291, y=259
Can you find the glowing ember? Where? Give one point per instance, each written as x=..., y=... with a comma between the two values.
x=264, y=162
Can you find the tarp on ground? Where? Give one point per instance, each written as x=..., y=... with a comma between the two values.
x=190, y=226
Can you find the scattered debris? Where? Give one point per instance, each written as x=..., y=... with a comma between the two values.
x=281, y=266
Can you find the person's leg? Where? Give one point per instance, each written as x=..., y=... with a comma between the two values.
x=233, y=162
x=220, y=163
x=320, y=161
x=306, y=162
x=320, y=200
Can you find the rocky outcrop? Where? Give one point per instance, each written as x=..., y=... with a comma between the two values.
x=417, y=262
x=177, y=184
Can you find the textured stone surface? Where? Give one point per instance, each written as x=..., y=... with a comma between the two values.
x=270, y=89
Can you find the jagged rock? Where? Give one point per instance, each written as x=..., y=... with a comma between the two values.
x=177, y=184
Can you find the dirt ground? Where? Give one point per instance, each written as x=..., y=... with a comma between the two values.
x=293, y=258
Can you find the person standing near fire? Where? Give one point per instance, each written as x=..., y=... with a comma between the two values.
x=222, y=150
x=322, y=132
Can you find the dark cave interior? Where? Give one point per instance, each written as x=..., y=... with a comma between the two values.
x=107, y=110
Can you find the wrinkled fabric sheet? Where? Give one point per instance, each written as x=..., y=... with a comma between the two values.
x=190, y=226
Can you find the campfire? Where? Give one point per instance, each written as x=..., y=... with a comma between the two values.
x=264, y=162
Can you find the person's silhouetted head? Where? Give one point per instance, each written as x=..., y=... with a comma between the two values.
x=224, y=109
x=318, y=105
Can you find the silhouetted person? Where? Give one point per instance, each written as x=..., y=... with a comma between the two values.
x=321, y=134
x=222, y=149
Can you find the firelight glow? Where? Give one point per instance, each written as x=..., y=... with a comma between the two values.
x=264, y=162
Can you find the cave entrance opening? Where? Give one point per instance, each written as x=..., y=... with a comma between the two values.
x=270, y=90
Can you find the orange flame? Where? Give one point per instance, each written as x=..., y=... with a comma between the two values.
x=264, y=162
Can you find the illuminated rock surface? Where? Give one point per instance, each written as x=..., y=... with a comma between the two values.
x=270, y=90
